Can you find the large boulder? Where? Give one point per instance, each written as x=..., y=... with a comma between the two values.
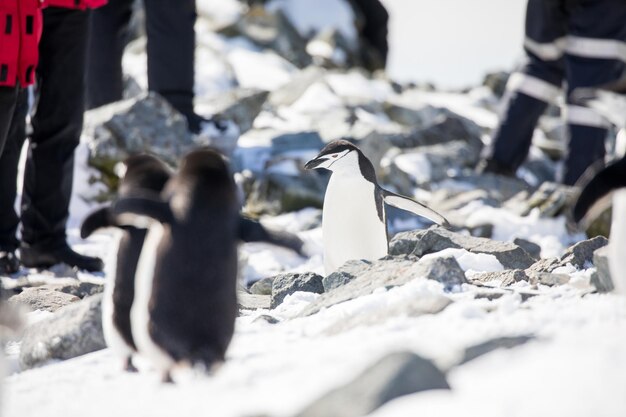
x=395, y=375
x=43, y=298
x=435, y=239
x=71, y=331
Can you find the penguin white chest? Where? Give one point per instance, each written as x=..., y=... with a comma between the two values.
x=351, y=225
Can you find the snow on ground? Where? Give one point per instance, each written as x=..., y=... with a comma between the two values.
x=575, y=365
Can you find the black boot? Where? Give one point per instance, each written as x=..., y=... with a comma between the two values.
x=36, y=257
x=9, y=264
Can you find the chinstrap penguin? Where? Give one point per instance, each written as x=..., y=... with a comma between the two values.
x=353, y=219
x=144, y=174
x=185, y=285
x=609, y=183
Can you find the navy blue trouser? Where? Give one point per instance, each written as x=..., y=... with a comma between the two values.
x=569, y=44
x=170, y=50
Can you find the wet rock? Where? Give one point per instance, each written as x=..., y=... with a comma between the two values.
x=435, y=239
x=481, y=349
x=531, y=248
x=346, y=273
x=394, y=375
x=601, y=279
x=252, y=301
x=262, y=286
x=287, y=284
x=72, y=331
x=43, y=298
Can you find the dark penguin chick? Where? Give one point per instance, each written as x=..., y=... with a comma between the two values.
x=594, y=199
x=354, y=223
x=186, y=304
x=144, y=174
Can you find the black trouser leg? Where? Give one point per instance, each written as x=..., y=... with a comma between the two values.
x=9, y=160
x=171, y=47
x=57, y=126
x=107, y=39
x=375, y=29
x=8, y=98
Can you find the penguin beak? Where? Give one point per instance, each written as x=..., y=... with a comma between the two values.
x=315, y=163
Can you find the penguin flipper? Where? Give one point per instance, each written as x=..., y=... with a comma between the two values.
x=253, y=231
x=594, y=197
x=141, y=211
x=98, y=219
x=408, y=204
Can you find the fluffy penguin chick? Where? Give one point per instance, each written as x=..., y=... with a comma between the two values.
x=185, y=286
x=354, y=223
x=143, y=174
x=608, y=184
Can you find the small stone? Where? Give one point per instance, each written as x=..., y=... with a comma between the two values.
x=287, y=284
x=481, y=349
x=531, y=248
x=346, y=273
x=601, y=279
x=262, y=286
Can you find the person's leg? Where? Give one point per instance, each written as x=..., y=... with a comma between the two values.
x=597, y=37
x=531, y=90
x=107, y=39
x=171, y=47
x=57, y=126
x=13, y=109
x=374, y=31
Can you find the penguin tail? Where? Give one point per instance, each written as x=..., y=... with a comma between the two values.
x=98, y=219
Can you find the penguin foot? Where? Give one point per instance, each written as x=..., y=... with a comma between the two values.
x=128, y=365
x=166, y=377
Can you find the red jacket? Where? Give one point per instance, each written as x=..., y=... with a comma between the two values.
x=75, y=4
x=20, y=30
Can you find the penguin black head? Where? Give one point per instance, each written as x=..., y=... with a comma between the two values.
x=205, y=161
x=144, y=172
x=341, y=156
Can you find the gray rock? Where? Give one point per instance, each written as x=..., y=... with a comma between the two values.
x=346, y=273
x=435, y=239
x=43, y=298
x=581, y=254
x=481, y=349
x=262, y=286
x=550, y=279
x=82, y=289
x=496, y=81
x=414, y=118
x=601, y=279
x=287, y=284
x=448, y=127
x=499, y=187
x=531, y=248
x=240, y=106
x=72, y=331
x=507, y=277
x=290, y=142
x=294, y=89
x=550, y=199
x=388, y=272
x=394, y=375
x=267, y=319
x=444, y=270
x=438, y=162
x=276, y=193
x=252, y=301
